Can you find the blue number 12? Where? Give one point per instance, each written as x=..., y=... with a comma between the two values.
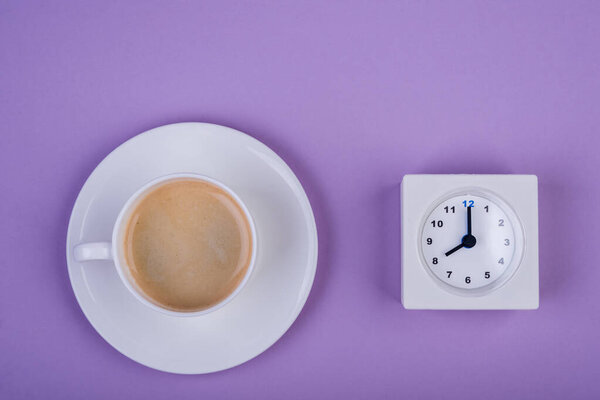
x=471, y=202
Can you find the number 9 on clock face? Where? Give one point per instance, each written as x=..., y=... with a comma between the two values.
x=468, y=242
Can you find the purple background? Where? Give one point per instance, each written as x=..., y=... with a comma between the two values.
x=353, y=95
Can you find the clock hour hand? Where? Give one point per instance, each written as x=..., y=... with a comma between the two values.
x=460, y=246
x=468, y=240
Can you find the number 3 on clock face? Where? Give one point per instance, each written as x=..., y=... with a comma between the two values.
x=468, y=242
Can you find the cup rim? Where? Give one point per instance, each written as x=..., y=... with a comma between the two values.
x=116, y=252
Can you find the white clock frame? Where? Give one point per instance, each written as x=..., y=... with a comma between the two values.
x=422, y=290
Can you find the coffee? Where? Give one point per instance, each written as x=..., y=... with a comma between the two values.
x=187, y=245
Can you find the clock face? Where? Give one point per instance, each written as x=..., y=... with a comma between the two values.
x=468, y=242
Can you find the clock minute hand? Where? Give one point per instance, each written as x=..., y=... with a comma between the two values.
x=460, y=246
x=469, y=240
x=469, y=221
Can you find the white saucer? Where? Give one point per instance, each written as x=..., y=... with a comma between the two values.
x=263, y=310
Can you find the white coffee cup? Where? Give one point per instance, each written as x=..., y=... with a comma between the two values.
x=114, y=251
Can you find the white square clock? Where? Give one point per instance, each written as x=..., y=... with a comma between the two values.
x=470, y=242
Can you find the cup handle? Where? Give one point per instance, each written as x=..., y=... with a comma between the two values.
x=92, y=251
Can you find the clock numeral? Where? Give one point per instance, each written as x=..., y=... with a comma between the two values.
x=468, y=203
x=500, y=222
x=438, y=223
x=487, y=209
x=487, y=274
x=506, y=242
x=468, y=279
x=435, y=260
x=449, y=273
x=448, y=209
x=429, y=241
x=501, y=261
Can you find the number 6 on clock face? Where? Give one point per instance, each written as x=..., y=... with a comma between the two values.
x=468, y=242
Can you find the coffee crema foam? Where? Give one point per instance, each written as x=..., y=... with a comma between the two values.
x=188, y=245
